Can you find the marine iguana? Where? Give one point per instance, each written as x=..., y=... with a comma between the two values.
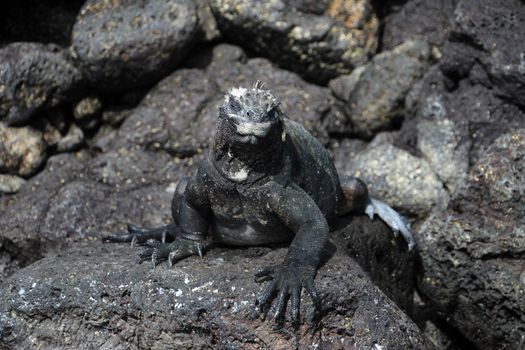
x=265, y=180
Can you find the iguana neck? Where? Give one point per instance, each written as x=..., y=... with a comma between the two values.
x=248, y=166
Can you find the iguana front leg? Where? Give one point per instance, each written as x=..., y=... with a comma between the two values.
x=300, y=214
x=193, y=213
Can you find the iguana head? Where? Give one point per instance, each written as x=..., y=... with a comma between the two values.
x=249, y=118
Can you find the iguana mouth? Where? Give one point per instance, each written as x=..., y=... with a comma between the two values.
x=247, y=128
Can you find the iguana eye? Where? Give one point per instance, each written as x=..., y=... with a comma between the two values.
x=272, y=114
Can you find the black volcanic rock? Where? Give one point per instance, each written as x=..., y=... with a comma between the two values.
x=179, y=114
x=125, y=45
x=427, y=20
x=35, y=77
x=486, y=43
x=373, y=95
x=473, y=253
x=94, y=295
x=318, y=41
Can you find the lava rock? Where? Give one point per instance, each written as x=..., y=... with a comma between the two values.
x=87, y=112
x=344, y=151
x=21, y=215
x=179, y=114
x=473, y=253
x=440, y=143
x=34, y=77
x=400, y=179
x=207, y=22
x=330, y=40
x=475, y=117
x=487, y=43
x=10, y=183
x=385, y=257
x=88, y=107
x=22, y=150
x=77, y=198
x=72, y=141
x=427, y=20
x=126, y=44
x=374, y=95
x=197, y=303
x=171, y=116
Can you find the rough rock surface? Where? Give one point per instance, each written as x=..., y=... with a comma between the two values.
x=477, y=115
x=72, y=140
x=473, y=254
x=22, y=150
x=473, y=95
x=63, y=301
x=374, y=95
x=125, y=44
x=383, y=256
x=400, y=179
x=10, y=183
x=77, y=198
x=487, y=42
x=440, y=144
x=34, y=77
x=318, y=40
x=428, y=20
x=179, y=114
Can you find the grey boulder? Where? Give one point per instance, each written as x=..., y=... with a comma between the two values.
x=95, y=296
x=319, y=41
x=35, y=77
x=373, y=95
x=402, y=180
x=473, y=253
x=486, y=43
x=131, y=43
x=179, y=114
x=427, y=20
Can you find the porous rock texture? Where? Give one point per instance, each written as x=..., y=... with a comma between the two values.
x=124, y=44
x=94, y=296
x=428, y=20
x=22, y=150
x=394, y=175
x=473, y=254
x=98, y=126
x=189, y=100
x=320, y=40
x=486, y=43
x=35, y=77
x=373, y=95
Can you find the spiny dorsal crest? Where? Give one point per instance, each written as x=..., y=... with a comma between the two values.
x=250, y=105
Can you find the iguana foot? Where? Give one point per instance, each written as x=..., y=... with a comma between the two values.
x=287, y=281
x=139, y=235
x=395, y=221
x=177, y=250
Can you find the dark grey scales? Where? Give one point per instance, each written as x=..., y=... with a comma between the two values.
x=265, y=180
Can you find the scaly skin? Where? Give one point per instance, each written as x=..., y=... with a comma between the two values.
x=266, y=180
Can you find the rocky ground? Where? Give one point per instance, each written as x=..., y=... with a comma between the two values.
x=105, y=105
